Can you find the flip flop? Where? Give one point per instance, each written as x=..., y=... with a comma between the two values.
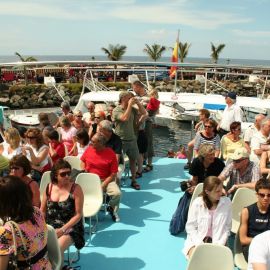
x=135, y=185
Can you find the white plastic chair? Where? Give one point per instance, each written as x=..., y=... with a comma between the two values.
x=239, y=258
x=45, y=180
x=75, y=162
x=54, y=252
x=211, y=257
x=243, y=197
x=198, y=189
x=93, y=196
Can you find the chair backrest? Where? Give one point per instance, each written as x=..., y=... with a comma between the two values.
x=239, y=258
x=243, y=197
x=198, y=190
x=45, y=180
x=75, y=162
x=93, y=194
x=54, y=252
x=211, y=257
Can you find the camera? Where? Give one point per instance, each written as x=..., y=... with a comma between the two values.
x=184, y=185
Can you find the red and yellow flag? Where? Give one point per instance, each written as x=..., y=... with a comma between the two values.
x=174, y=57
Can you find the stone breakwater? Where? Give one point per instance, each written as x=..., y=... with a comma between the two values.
x=40, y=96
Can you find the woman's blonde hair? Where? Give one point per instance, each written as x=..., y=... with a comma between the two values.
x=154, y=93
x=64, y=121
x=12, y=137
x=205, y=149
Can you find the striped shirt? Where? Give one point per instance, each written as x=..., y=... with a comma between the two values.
x=201, y=139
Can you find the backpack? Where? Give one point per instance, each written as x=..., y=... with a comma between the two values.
x=179, y=218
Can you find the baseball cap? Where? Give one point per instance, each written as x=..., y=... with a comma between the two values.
x=231, y=95
x=240, y=153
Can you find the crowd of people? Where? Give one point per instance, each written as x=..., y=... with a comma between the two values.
x=99, y=139
x=225, y=160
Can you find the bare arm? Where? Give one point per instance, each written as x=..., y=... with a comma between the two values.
x=243, y=230
x=108, y=180
x=263, y=162
x=43, y=207
x=4, y=262
x=126, y=115
x=82, y=165
x=36, y=194
x=36, y=160
x=259, y=266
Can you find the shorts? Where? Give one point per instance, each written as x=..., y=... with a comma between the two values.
x=130, y=148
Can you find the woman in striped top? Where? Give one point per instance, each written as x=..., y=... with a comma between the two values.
x=208, y=135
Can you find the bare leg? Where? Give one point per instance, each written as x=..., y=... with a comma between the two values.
x=140, y=163
x=190, y=150
x=64, y=242
x=132, y=165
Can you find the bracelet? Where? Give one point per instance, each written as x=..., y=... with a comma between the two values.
x=63, y=230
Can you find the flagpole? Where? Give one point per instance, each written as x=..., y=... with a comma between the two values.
x=175, y=77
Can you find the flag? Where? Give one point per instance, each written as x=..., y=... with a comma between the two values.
x=174, y=57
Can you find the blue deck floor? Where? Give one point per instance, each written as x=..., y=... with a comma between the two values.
x=141, y=240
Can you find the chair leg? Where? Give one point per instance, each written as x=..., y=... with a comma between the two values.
x=72, y=259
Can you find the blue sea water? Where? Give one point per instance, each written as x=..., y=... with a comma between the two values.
x=246, y=62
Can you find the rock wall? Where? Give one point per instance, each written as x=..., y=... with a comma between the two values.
x=40, y=96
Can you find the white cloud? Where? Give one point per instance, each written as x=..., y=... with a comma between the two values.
x=162, y=13
x=168, y=15
x=251, y=34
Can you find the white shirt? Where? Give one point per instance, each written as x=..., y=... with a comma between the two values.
x=259, y=250
x=231, y=114
x=256, y=141
x=11, y=154
x=198, y=223
x=250, y=132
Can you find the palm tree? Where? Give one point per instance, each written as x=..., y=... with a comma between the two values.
x=28, y=59
x=155, y=52
x=183, y=50
x=115, y=53
x=216, y=51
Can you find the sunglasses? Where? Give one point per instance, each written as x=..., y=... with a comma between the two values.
x=208, y=126
x=97, y=117
x=237, y=129
x=31, y=137
x=263, y=195
x=79, y=116
x=14, y=168
x=238, y=160
x=63, y=174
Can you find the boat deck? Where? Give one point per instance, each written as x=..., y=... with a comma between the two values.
x=141, y=240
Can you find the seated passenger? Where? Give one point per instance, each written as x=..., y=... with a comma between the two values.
x=12, y=144
x=102, y=161
x=16, y=205
x=67, y=133
x=37, y=153
x=78, y=122
x=20, y=166
x=210, y=217
x=231, y=141
x=99, y=116
x=208, y=135
x=62, y=206
x=181, y=153
x=255, y=218
x=56, y=148
x=265, y=164
x=241, y=172
x=82, y=142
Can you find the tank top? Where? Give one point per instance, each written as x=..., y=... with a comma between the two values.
x=257, y=221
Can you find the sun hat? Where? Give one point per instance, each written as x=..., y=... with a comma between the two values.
x=240, y=153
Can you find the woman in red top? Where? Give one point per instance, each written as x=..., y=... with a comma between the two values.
x=153, y=105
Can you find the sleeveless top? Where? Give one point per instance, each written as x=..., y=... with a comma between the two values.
x=59, y=213
x=257, y=221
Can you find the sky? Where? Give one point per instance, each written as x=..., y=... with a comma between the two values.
x=83, y=27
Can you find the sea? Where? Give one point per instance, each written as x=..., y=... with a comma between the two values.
x=245, y=62
x=165, y=138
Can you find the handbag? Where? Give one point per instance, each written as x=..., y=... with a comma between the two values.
x=13, y=258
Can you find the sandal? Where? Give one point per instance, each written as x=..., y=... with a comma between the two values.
x=148, y=168
x=135, y=185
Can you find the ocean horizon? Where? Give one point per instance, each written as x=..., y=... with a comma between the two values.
x=222, y=61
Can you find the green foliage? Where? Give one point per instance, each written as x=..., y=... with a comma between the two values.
x=216, y=51
x=183, y=50
x=74, y=88
x=115, y=52
x=154, y=51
